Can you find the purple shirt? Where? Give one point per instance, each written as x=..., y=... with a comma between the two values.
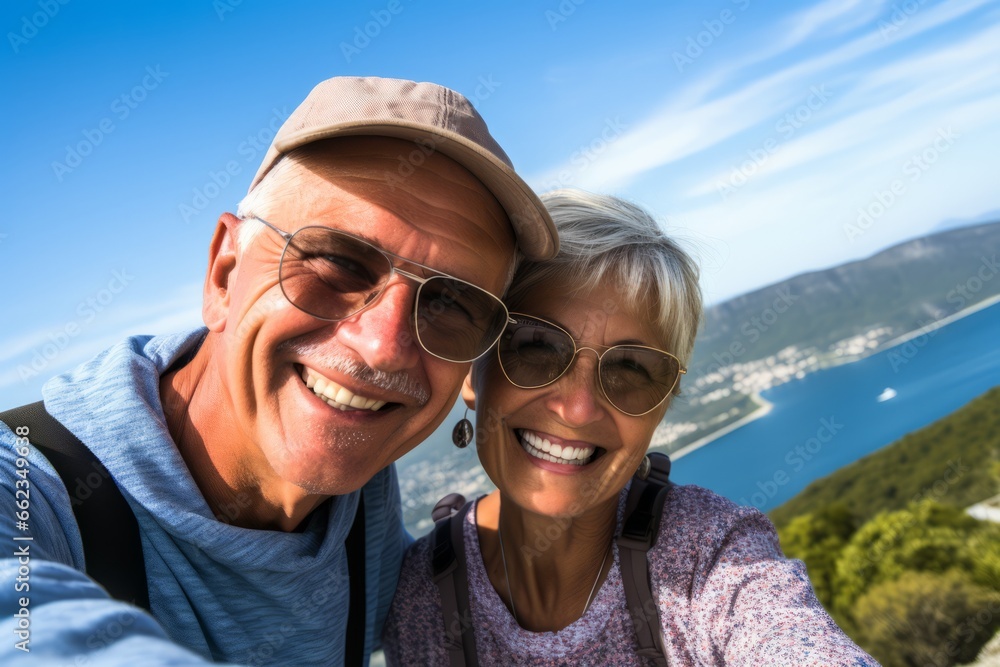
x=725, y=592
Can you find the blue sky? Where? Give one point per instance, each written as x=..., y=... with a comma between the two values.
x=773, y=138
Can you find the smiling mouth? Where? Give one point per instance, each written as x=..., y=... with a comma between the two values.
x=335, y=395
x=542, y=448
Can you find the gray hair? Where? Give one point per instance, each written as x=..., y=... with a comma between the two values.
x=606, y=240
x=282, y=177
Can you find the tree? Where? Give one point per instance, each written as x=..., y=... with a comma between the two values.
x=816, y=539
x=925, y=537
x=924, y=618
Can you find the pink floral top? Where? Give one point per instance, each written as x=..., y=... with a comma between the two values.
x=726, y=596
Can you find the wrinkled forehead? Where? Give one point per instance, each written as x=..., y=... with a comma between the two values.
x=432, y=210
x=413, y=181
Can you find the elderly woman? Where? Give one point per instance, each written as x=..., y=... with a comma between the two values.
x=566, y=407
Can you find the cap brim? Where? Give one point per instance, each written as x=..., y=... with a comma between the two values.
x=536, y=234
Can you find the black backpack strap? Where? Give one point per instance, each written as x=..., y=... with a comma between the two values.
x=108, y=528
x=354, y=653
x=449, y=573
x=643, y=510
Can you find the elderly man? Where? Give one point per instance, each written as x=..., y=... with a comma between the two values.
x=343, y=304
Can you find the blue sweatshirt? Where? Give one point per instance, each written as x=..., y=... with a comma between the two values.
x=217, y=592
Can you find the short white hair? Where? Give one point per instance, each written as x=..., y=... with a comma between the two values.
x=276, y=182
x=606, y=240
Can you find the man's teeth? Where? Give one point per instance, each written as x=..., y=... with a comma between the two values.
x=541, y=448
x=337, y=396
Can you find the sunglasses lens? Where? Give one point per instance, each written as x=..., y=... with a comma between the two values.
x=533, y=354
x=634, y=379
x=457, y=320
x=330, y=275
x=637, y=379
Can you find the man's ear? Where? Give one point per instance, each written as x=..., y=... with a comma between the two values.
x=468, y=393
x=222, y=257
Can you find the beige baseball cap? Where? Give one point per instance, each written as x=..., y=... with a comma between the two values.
x=439, y=119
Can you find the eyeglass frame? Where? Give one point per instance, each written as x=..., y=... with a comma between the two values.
x=577, y=349
x=393, y=269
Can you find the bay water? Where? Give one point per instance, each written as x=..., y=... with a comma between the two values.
x=835, y=416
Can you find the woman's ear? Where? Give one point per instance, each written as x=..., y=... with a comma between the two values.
x=468, y=393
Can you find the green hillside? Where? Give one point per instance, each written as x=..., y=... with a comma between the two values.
x=953, y=461
x=890, y=550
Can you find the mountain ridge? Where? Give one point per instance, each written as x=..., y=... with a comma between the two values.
x=822, y=318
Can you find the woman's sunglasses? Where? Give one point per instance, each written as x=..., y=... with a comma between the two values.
x=333, y=275
x=635, y=379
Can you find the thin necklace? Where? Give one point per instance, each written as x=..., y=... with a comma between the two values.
x=510, y=594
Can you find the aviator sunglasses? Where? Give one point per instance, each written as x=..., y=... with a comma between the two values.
x=635, y=379
x=333, y=275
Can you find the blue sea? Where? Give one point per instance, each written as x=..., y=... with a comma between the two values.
x=833, y=417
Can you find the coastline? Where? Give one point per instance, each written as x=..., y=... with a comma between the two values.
x=965, y=312
x=766, y=406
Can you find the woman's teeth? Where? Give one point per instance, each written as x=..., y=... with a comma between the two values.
x=337, y=396
x=541, y=448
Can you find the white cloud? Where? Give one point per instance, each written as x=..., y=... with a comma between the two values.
x=832, y=17
x=668, y=136
x=922, y=88
x=693, y=120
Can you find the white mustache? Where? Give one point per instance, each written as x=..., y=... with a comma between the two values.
x=398, y=382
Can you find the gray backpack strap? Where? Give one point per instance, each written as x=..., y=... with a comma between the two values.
x=449, y=573
x=643, y=510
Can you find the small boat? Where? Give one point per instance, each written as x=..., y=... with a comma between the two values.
x=886, y=394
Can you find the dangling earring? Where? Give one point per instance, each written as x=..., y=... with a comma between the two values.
x=644, y=467
x=462, y=434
